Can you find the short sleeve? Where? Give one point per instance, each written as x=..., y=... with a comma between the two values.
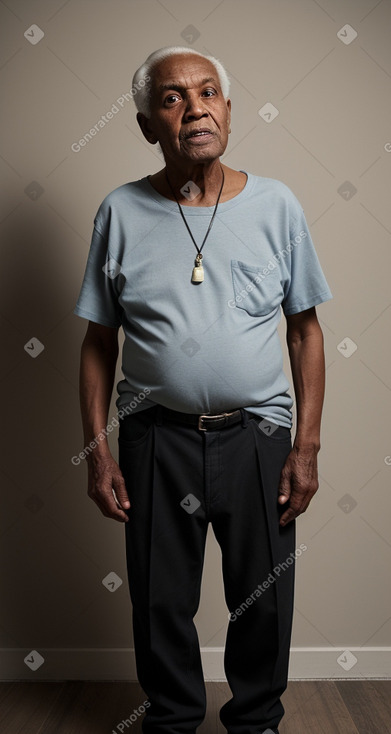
x=305, y=285
x=98, y=297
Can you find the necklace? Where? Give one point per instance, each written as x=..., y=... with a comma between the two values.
x=198, y=270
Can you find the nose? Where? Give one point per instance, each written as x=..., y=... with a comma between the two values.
x=194, y=108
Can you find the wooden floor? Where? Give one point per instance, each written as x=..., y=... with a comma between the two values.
x=79, y=707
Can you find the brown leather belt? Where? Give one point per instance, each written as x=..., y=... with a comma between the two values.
x=204, y=422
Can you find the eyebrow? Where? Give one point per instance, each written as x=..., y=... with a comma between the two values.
x=180, y=87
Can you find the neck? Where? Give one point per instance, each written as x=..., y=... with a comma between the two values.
x=205, y=178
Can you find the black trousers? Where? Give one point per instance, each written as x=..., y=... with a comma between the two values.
x=179, y=479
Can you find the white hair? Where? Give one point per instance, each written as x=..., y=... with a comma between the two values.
x=142, y=80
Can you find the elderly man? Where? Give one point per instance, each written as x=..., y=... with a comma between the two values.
x=195, y=262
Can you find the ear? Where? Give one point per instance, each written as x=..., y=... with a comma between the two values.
x=229, y=115
x=146, y=128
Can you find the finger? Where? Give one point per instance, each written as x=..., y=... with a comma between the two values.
x=119, y=491
x=287, y=517
x=108, y=506
x=120, y=513
x=298, y=505
x=114, y=507
x=284, y=489
x=115, y=511
x=283, y=496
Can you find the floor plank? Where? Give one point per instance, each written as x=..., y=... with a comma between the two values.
x=4, y=689
x=89, y=707
x=369, y=703
x=315, y=707
x=24, y=706
x=86, y=707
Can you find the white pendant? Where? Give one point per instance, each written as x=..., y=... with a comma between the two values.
x=198, y=274
x=198, y=271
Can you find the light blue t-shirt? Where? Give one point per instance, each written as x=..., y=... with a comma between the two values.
x=214, y=346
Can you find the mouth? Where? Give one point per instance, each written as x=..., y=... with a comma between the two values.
x=202, y=134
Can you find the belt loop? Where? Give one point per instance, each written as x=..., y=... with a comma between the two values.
x=245, y=417
x=159, y=415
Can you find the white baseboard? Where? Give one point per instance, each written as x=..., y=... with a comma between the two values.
x=115, y=664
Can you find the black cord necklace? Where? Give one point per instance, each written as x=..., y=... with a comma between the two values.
x=198, y=270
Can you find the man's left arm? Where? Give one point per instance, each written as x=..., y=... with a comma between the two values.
x=299, y=476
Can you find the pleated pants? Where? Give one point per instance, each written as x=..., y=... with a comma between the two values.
x=179, y=479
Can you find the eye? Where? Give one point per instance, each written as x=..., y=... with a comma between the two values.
x=209, y=92
x=171, y=98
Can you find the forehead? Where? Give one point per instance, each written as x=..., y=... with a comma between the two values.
x=184, y=70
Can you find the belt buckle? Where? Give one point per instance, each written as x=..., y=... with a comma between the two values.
x=213, y=417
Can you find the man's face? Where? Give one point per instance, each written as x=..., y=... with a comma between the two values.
x=189, y=115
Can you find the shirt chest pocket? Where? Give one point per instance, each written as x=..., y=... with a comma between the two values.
x=257, y=292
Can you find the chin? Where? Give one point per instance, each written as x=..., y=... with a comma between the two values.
x=207, y=152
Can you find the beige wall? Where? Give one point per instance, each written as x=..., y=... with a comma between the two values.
x=333, y=126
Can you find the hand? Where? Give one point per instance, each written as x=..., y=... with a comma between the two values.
x=106, y=486
x=298, y=481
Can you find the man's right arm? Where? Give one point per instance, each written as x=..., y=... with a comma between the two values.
x=99, y=354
